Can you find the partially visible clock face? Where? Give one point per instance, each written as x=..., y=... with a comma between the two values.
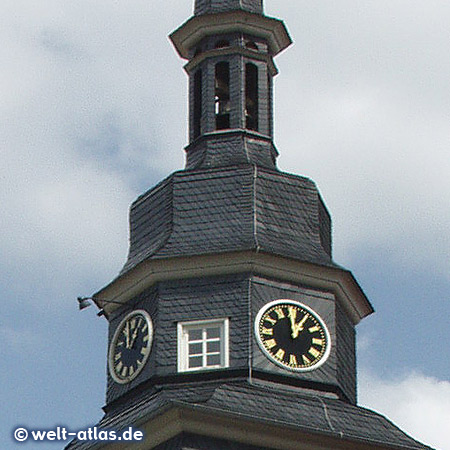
x=292, y=335
x=130, y=346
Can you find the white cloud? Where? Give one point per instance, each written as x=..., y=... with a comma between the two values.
x=86, y=116
x=93, y=105
x=418, y=404
x=93, y=111
x=363, y=109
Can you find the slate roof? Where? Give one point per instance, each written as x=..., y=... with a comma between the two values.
x=238, y=208
x=312, y=413
x=216, y=6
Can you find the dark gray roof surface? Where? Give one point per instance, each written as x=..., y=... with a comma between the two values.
x=230, y=209
x=266, y=404
x=215, y=6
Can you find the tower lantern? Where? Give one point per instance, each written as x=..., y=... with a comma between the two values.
x=230, y=46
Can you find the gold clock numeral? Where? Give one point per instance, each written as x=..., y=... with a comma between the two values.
x=144, y=328
x=144, y=351
x=268, y=331
x=270, y=320
x=119, y=367
x=317, y=341
x=117, y=356
x=280, y=354
x=314, y=352
x=131, y=371
x=306, y=360
x=313, y=329
x=124, y=371
x=145, y=338
x=280, y=313
x=271, y=343
x=293, y=360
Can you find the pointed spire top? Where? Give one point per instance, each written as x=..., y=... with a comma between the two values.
x=216, y=6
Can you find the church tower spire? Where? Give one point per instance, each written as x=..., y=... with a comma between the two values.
x=230, y=46
x=230, y=325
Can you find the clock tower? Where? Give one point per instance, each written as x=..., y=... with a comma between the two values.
x=230, y=324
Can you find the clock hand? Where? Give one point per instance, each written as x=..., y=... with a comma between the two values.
x=296, y=327
x=299, y=326
x=293, y=317
x=136, y=330
x=127, y=334
x=133, y=338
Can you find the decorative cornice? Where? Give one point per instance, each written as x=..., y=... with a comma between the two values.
x=146, y=274
x=198, y=27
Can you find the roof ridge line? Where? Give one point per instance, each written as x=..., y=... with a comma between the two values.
x=255, y=211
x=327, y=417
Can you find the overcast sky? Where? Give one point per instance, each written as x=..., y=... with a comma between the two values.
x=93, y=113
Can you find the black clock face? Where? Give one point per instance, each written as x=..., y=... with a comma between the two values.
x=292, y=336
x=130, y=346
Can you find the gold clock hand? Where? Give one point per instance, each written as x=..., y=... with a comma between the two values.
x=296, y=327
x=299, y=326
x=293, y=317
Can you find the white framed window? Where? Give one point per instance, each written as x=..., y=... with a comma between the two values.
x=203, y=345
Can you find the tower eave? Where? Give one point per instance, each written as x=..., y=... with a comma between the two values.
x=267, y=416
x=198, y=27
x=340, y=281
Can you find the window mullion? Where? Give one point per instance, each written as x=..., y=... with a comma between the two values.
x=185, y=349
x=204, y=347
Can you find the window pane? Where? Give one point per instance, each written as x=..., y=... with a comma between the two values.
x=222, y=44
x=197, y=104
x=222, y=96
x=213, y=347
x=213, y=332
x=213, y=360
x=195, y=361
x=195, y=349
x=195, y=335
x=251, y=96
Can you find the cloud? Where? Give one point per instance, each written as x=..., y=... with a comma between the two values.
x=362, y=107
x=93, y=113
x=418, y=404
x=87, y=112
